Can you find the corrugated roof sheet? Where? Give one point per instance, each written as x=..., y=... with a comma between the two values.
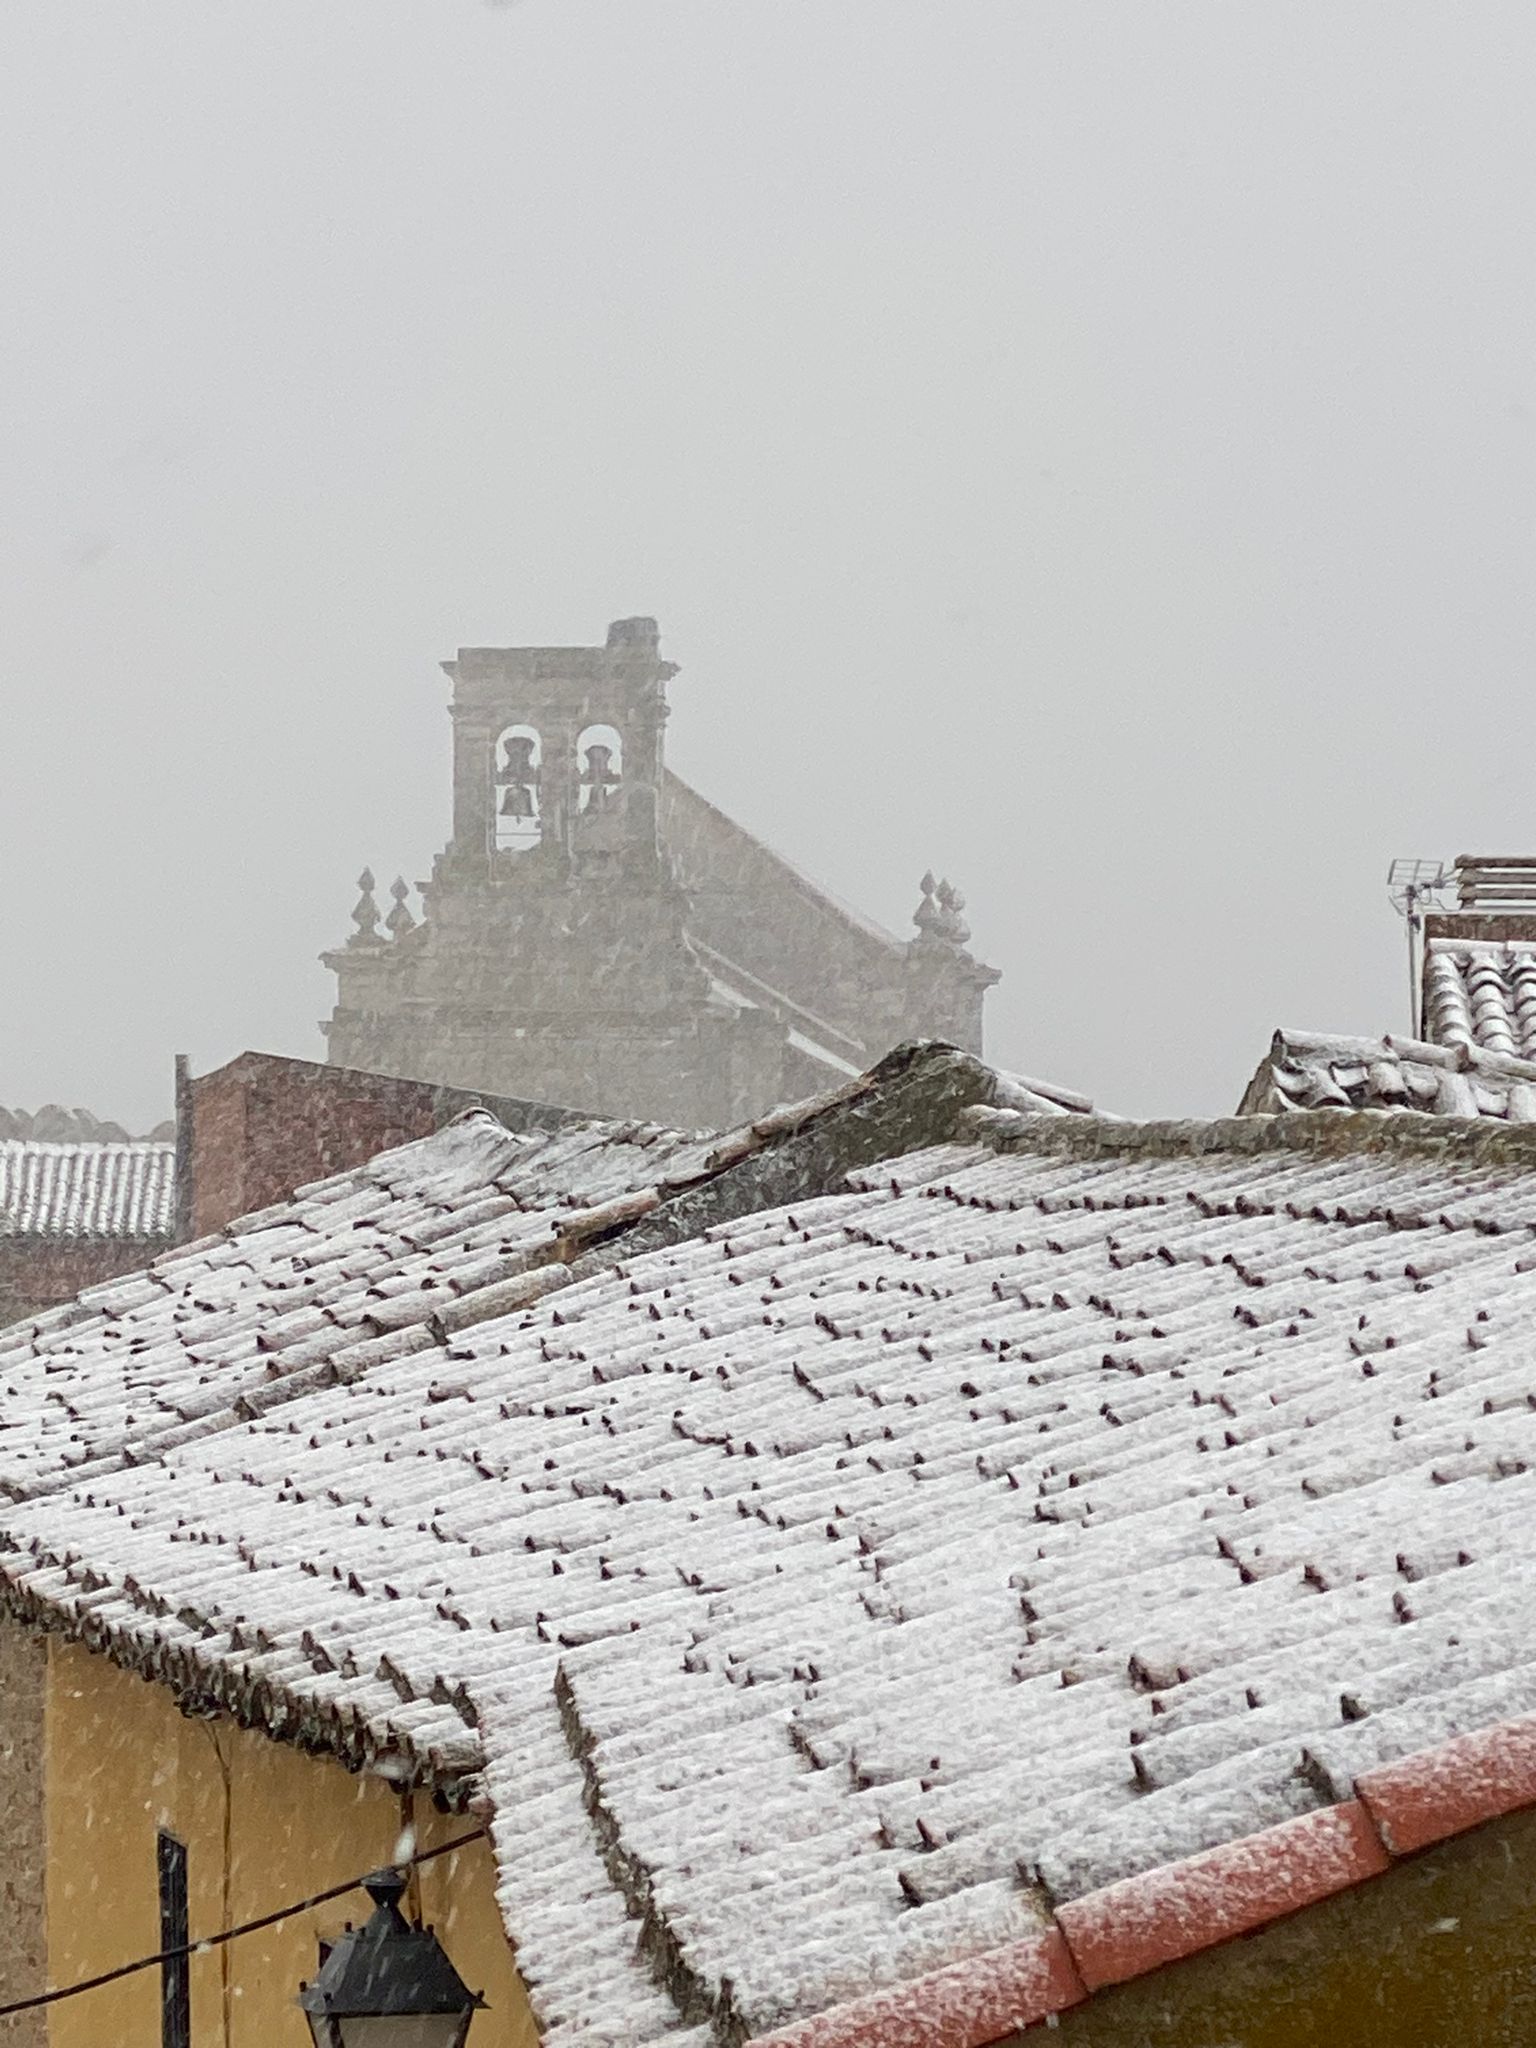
x=826, y=1600
x=87, y=1189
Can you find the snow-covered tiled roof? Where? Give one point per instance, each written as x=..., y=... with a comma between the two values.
x=367, y=1266
x=392, y=1257
x=1481, y=993
x=854, y=1593
x=87, y=1188
x=1038, y=1098
x=1307, y=1070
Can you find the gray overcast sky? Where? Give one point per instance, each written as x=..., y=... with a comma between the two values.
x=1086, y=447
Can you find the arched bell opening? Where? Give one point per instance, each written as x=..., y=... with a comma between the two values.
x=518, y=758
x=599, y=768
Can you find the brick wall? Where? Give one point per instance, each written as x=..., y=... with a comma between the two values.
x=249, y=1134
x=1482, y=927
x=255, y=1130
x=22, y=1831
x=39, y=1272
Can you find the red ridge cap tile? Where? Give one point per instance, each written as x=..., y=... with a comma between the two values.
x=966, y=2005
x=1457, y=1785
x=1139, y=1925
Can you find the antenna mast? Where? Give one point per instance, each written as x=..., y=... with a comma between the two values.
x=1411, y=884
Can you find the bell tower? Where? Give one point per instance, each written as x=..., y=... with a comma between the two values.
x=552, y=957
x=597, y=934
x=558, y=755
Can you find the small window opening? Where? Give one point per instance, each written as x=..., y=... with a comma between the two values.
x=518, y=758
x=176, y=1970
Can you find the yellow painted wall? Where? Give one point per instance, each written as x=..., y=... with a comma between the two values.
x=264, y=1825
x=1439, y=1953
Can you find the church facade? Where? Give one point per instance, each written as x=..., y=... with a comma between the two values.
x=596, y=933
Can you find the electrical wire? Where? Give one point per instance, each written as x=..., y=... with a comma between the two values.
x=211, y=1941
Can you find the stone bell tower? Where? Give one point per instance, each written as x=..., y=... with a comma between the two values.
x=557, y=756
x=596, y=934
x=551, y=959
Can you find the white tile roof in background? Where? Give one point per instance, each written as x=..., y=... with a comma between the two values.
x=819, y=1599
x=87, y=1189
x=1481, y=993
x=1308, y=1070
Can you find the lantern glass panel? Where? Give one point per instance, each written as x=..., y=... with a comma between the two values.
x=404, y=2030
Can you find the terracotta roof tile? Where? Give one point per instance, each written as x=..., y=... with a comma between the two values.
x=1139, y=1925
x=1482, y=993
x=366, y=1266
x=1459, y=1077
x=1467, y=1780
x=959, y=2007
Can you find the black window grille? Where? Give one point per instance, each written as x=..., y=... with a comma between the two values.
x=175, y=1971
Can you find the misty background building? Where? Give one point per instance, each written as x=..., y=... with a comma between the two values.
x=597, y=933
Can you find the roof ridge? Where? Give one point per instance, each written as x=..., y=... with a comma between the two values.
x=1327, y=1133
x=858, y=920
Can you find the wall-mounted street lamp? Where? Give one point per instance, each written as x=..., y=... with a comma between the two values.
x=387, y=1984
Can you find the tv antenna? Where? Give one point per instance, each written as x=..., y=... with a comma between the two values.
x=1412, y=887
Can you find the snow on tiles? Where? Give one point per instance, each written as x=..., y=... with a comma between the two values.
x=828, y=1599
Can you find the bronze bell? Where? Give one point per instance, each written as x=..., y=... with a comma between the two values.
x=598, y=779
x=519, y=778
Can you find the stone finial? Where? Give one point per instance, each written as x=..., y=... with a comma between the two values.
x=399, y=920
x=938, y=915
x=365, y=912
x=951, y=907
x=926, y=915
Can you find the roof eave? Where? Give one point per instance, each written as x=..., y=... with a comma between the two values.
x=1146, y=1923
